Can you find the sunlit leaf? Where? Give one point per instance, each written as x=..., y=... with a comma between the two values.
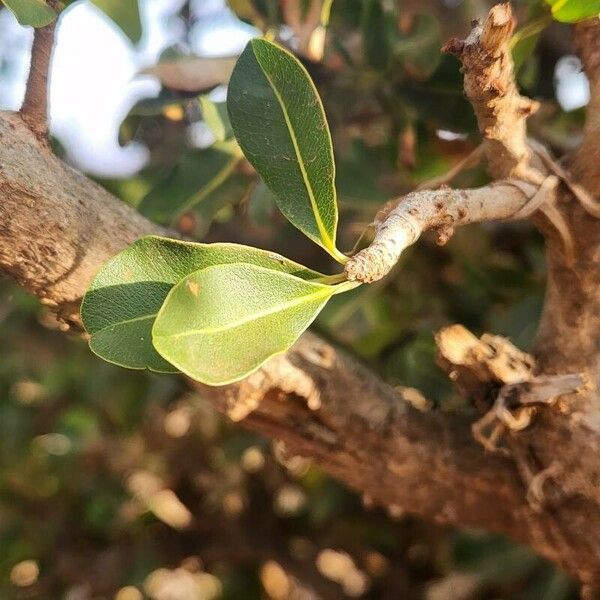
x=220, y=324
x=121, y=304
x=193, y=73
x=279, y=121
x=125, y=13
x=216, y=118
x=36, y=13
x=573, y=11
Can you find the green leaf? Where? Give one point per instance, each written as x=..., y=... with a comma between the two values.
x=121, y=303
x=379, y=28
x=31, y=12
x=216, y=118
x=573, y=11
x=279, y=121
x=220, y=324
x=125, y=13
x=193, y=180
x=419, y=49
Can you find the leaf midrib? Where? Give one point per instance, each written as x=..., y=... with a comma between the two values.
x=255, y=317
x=125, y=322
x=320, y=225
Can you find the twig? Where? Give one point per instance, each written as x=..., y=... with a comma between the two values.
x=491, y=88
x=34, y=110
x=399, y=226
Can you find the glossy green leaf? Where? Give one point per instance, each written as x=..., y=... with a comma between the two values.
x=125, y=13
x=31, y=12
x=279, y=121
x=193, y=180
x=121, y=304
x=220, y=324
x=573, y=11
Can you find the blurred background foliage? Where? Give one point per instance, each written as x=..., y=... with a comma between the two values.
x=120, y=484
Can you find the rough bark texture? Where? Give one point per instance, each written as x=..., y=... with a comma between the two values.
x=490, y=86
x=57, y=228
x=35, y=105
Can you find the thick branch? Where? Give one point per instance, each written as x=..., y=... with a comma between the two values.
x=35, y=105
x=57, y=228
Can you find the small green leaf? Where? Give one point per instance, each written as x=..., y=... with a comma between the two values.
x=220, y=324
x=216, y=118
x=419, y=49
x=120, y=306
x=279, y=121
x=125, y=13
x=573, y=11
x=31, y=12
x=193, y=180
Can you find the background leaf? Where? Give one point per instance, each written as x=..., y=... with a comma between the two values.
x=125, y=13
x=573, y=11
x=279, y=121
x=191, y=181
x=120, y=306
x=193, y=73
x=419, y=49
x=216, y=118
x=220, y=324
x=31, y=12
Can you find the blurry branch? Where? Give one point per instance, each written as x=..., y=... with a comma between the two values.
x=309, y=30
x=474, y=363
x=587, y=158
x=35, y=105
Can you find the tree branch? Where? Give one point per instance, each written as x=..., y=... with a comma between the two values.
x=57, y=228
x=491, y=88
x=35, y=105
x=399, y=226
